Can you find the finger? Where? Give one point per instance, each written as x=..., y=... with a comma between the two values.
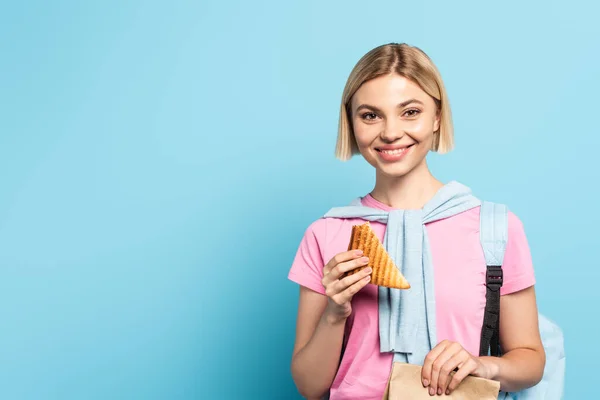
x=439, y=367
x=348, y=281
x=337, y=287
x=463, y=371
x=445, y=374
x=341, y=258
x=338, y=271
x=429, y=359
x=347, y=294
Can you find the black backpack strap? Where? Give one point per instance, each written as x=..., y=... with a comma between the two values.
x=490, y=337
x=493, y=236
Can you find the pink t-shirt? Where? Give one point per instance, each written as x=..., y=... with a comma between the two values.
x=459, y=279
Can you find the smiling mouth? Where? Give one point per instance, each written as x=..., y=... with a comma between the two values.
x=394, y=151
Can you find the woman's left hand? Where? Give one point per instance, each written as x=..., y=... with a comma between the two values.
x=445, y=358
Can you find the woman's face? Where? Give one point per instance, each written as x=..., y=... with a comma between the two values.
x=394, y=121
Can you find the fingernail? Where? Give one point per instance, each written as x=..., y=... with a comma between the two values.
x=425, y=382
x=358, y=252
x=364, y=260
x=439, y=391
x=447, y=392
x=431, y=391
x=368, y=278
x=369, y=270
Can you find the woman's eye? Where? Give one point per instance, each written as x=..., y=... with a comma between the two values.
x=412, y=113
x=369, y=116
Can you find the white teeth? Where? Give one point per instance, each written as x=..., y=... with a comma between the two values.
x=396, y=151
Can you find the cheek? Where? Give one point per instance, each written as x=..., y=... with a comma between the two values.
x=422, y=129
x=365, y=134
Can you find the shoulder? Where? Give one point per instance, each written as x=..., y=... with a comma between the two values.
x=517, y=238
x=470, y=222
x=327, y=236
x=515, y=225
x=323, y=238
x=326, y=230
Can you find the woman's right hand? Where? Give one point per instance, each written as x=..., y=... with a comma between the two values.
x=340, y=291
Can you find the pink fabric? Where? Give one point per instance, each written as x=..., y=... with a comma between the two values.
x=459, y=270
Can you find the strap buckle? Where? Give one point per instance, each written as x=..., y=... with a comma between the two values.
x=494, y=277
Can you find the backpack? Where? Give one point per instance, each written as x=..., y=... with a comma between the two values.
x=494, y=236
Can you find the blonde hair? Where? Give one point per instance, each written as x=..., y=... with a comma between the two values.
x=409, y=62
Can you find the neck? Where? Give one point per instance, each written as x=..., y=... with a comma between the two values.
x=408, y=192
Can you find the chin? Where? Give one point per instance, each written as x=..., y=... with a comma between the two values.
x=394, y=171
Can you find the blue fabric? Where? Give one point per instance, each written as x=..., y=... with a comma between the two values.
x=493, y=232
x=407, y=317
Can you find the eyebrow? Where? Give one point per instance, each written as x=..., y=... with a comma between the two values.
x=400, y=105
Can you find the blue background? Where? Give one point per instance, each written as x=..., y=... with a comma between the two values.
x=160, y=161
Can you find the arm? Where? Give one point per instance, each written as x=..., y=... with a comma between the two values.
x=321, y=323
x=318, y=345
x=521, y=365
x=523, y=361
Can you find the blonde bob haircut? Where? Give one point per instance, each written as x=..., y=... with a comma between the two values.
x=409, y=62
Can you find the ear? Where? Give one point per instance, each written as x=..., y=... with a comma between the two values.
x=438, y=118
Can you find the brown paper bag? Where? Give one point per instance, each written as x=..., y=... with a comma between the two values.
x=405, y=383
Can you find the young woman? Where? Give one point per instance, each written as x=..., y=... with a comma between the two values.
x=394, y=111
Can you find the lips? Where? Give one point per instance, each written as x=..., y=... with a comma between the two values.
x=393, y=153
x=393, y=149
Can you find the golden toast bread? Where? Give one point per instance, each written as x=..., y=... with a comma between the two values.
x=385, y=273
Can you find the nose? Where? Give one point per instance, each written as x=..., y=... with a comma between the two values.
x=392, y=131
